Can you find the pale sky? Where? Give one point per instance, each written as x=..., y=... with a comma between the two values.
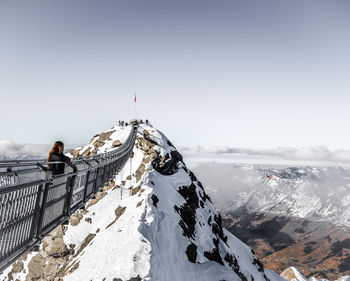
x=236, y=73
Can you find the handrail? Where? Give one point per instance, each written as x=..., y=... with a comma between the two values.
x=33, y=201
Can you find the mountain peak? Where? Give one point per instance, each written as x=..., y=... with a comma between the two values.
x=154, y=221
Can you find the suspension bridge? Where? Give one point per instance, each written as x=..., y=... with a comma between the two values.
x=33, y=202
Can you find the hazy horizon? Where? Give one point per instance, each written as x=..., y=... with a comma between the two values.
x=279, y=157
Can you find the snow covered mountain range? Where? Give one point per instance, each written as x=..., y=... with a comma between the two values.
x=295, y=216
x=318, y=194
x=154, y=221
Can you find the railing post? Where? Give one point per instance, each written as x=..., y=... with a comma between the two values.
x=36, y=214
x=70, y=189
x=86, y=184
x=42, y=210
x=96, y=180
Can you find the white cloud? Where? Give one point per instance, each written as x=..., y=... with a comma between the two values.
x=10, y=148
x=314, y=153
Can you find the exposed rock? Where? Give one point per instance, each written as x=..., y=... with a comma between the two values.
x=53, y=244
x=86, y=152
x=111, y=183
x=139, y=203
x=74, y=152
x=73, y=220
x=17, y=267
x=214, y=255
x=135, y=190
x=116, y=187
x=116, y=143
x=118, y=212
x=146, y=159
x=233, y=263
x=86, y=242
x=148, y=139
x=94, y=151
x=92, y=202
x=73, y=267
x=100, y=195
x=106, y=188
x=51, y=268
x=128, y=177
x=97, y=135
x=191, y=252
x=167, y=165
x=187, y=211
x=105, y=136
x=89, y=220
x=146, y=144
x=155, y=200
x=140, y=171
x=162, y=161
x=290, y=274
x=36, y=267
x=101, y=140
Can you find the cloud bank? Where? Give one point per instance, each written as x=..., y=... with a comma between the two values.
x=314, y=153
x=12, y=149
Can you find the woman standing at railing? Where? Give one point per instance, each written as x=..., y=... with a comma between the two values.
x=56, y=155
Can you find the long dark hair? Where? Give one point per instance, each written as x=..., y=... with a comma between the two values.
x=55, y=149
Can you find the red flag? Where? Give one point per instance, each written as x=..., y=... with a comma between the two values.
x=135, y=97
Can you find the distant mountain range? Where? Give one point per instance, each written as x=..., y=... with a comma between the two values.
x=319, y=194
x=298, y=216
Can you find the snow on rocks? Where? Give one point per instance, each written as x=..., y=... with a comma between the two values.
x=103, y=142
x=154, y=221
x=292, y=274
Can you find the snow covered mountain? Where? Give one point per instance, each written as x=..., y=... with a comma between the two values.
x=154, y=221
x=290, y=217
x=318, y=194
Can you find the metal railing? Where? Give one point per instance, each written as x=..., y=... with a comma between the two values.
x=33, y=201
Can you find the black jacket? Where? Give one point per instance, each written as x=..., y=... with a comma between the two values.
x=59, y=167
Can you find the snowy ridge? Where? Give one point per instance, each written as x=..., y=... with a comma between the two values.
x=154, y=221
x=153, y=244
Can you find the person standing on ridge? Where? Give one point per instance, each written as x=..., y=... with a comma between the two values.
x=56, y=155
